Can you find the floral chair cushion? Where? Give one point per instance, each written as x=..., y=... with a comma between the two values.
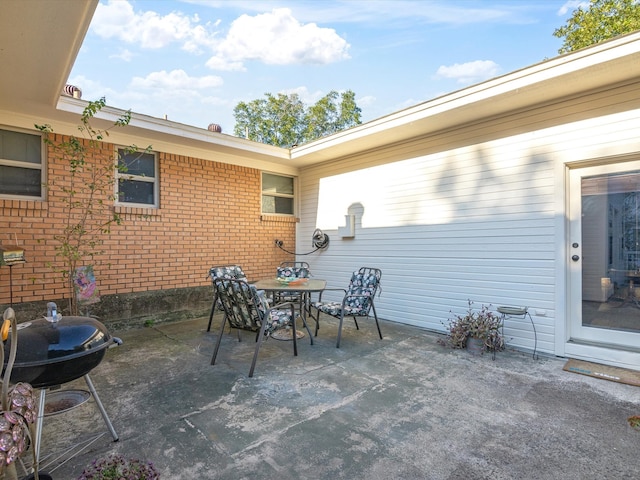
x=231, y=271
x=357, y=300
x=246, y=307
x=288, y=272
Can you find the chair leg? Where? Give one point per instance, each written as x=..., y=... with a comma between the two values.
x=315, y=319
x=375, y=315
x=356, y=322
x=213, y=309
x=215, y=350
x=340, y=330
x=295, y=335
x=258, y=343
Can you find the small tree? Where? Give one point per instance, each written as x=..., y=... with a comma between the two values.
x=87, y=191
x=604, y=19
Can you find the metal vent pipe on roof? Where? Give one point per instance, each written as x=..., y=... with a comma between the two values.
x=72, y=91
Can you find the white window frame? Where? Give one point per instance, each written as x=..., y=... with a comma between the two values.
x=28, y=165
x=137, y=178
x=280, y=195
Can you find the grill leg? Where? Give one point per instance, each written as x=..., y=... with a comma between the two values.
x=105, y=417
x=43, y=394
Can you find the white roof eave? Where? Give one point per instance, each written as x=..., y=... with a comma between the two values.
x=175, y=137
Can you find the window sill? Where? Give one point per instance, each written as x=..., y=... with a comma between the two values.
x=25, y=205
x=267, y=217
x=137, y=213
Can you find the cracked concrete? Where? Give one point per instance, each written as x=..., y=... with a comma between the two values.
x=400, y=408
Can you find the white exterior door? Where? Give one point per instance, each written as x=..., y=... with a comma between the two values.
x=604, y=261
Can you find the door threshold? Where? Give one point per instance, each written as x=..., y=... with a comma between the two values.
x=613, y=355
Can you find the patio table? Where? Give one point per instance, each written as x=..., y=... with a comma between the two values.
x=302, y=288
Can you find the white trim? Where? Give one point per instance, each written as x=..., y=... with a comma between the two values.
x=603, y=355
x=561, y=206
x=155, y=180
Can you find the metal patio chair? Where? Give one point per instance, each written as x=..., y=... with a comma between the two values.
x=294, y=269
x=297, y=270
x=358, y=300
x=224, y=271
x=246, y=308
x=289, y=270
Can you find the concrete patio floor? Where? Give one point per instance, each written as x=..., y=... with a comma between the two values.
x=400, y=408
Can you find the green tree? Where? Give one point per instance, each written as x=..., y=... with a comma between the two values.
x=283, y=120
x=275, y=120
x=603, y=19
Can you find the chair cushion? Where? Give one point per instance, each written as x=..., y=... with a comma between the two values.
x=249, y=311
x=335, y=309
x=231, y=271
x=288, y=272
x=297, y=272
x=278, y=319
x=357, y=299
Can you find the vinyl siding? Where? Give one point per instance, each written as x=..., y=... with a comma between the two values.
x=468, y=214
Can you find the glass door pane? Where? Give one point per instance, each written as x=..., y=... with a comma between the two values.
x=607, y=219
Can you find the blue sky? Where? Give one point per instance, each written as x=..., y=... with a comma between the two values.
x=194, y=60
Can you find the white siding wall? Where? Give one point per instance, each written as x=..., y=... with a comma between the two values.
x=469, y=214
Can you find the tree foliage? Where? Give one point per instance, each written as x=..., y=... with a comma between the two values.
x=284, y=121
x=602, y=20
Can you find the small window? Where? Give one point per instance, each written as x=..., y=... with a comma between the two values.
x=277, y=194
x=20, y=165
x=137, y=178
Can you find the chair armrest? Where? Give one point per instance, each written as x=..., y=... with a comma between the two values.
x=331, y=290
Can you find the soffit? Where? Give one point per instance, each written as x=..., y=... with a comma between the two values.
x=39, y=41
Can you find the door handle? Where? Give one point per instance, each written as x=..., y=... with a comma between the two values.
x=575, y=258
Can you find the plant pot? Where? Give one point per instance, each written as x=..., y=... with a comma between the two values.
x=475, y=346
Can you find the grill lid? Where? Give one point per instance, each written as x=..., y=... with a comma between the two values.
x=50, y=354
x=44, y=342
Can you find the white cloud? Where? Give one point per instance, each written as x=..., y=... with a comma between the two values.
x=117, y=19
x=366, y=101
x=174, y=94
x=307, y=97
x=277, y=38
x=124, y=55
x=469, y=72
x=175, y=80
x=221, y=63
x=572, y=5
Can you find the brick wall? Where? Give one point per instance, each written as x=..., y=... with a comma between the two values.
x=209, y=214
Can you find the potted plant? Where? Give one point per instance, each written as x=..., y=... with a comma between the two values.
x=117, y=467
x=476, y=330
